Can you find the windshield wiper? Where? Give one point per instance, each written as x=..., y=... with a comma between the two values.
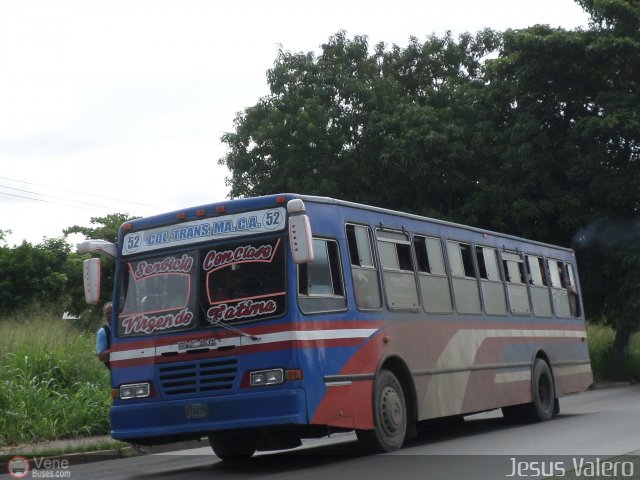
x=229, y=327
x=235, y=330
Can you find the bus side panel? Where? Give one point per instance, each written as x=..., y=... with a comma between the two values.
x=348, y=398
x=572, y=379
x=347, y=406
x=508, y=386
x=461, y=367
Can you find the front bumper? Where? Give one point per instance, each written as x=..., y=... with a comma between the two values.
x=161, y=418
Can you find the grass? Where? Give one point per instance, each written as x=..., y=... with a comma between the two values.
x=51, y=384
x=606, y=367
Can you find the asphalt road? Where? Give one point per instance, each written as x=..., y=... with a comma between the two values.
x=592, y=431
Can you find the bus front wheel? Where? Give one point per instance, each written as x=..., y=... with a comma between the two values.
x=390, y=415
x=233, y=445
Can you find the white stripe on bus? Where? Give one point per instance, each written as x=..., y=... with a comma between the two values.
x=293, y=335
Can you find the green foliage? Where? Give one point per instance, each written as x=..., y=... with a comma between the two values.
x=49, y=273
x=3, y=235
x=604, y=362
x=106, y=227
x=570, y=166
x=381, y=128
x=618, y=15
x=51, y=385
x=34, y=273
x=542, y=140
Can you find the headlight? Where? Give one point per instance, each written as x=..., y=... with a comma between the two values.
x=267, y=377
x=136, y=390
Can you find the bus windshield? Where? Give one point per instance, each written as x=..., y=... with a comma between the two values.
x=244, y=282
x=160, y=295
x=235, y=283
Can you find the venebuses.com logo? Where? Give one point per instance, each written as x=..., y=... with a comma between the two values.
x=21, y=467
x=18, y=467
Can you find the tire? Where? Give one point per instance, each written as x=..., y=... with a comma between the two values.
x=543, y=392
x=231, y=446
x=390, y=415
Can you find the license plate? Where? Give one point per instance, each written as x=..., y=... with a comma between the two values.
x=197, y=410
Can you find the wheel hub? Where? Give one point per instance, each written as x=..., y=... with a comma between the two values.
x=391, y=410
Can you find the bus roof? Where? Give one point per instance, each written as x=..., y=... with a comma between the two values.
x=251, y=203
x=344, y=203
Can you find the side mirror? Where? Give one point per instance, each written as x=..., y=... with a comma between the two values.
x=98, y=246
x=91, y=274
x=300, y=235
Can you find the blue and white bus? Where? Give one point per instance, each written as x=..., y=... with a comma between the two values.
x=261, y=321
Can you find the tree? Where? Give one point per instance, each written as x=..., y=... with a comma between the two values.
x=395, y=127
x=34, y=274
x=106, y=228
x=542, y=141
x=49, y=273
x=569, y=165
x=3, y=236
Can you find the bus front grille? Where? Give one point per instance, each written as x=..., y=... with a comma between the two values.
x=202, y=376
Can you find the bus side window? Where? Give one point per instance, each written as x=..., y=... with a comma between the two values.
x=516, y=283
x=572, y=286
x=493, y=295
x=363, y=270
x=465, y=284
x=320, y=285
x=539, y=287
x=397, y=270
x=432, y=275
x=559, y=293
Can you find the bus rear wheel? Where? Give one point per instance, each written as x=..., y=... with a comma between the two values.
x=390, y=415
x=544, y=405
x=233, y=445
x=543, y=392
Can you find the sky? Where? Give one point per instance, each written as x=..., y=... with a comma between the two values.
x=119, y=106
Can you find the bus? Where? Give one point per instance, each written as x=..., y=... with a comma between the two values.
x=259, y=322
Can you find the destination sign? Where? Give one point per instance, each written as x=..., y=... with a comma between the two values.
x=197, y=231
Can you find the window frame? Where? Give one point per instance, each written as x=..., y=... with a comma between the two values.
x=573, y=290
x=488, y=284
x=397, y=237
x=428, y=272
x=331, y=263
x=468, y=246
x=461, y=283
x=374, y=269
x=496, y=257
x=516, y=256
x=534, y=287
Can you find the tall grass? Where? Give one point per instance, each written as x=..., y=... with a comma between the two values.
x=606, y=366
x=51, y=384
